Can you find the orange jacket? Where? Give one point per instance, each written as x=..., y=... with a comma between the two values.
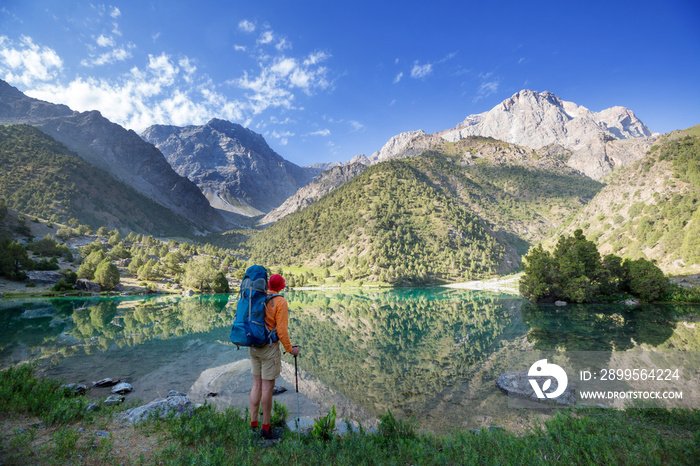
x=277, y=317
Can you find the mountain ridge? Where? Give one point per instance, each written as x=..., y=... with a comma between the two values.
x=119, y=151
x=232, y=165
x=476, y=205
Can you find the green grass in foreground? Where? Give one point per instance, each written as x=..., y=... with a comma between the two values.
x=582, y=436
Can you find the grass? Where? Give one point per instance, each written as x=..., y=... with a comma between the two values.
x=575, y=436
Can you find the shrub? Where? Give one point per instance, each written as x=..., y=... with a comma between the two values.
x=645, y=280
x=107, y=275
x=62, y=285
x=220, y=283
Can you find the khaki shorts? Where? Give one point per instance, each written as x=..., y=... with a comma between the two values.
x=266, y=361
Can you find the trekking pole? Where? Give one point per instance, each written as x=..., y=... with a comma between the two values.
x=296, y=383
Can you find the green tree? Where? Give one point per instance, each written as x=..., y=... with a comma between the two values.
x=171, y=262
x=119, y=252
x=646, y=280
x=107, y=274
x=147, y=271
x=199, y=273
x=220, y=283
x=539, y=278
x=89, y=266
x=574, y=272
x=13, y=260
x=115, y=238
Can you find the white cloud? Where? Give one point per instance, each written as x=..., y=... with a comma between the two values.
x=489, y=85
x=398, y=78
x=246, y=26
x=27, y=63
x=316, y=57
x=320, y=132
x=239, y=48
x=276, y=81
x=189, y=68
x=115, y=55
x=266, y=37
x=284, y=67
x=356, y=125
x=421, y=71
x=165, y=91
x=283, y=45
x=104, y=41
x=283, y=136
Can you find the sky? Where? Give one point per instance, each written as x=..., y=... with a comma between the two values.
x=324, y=81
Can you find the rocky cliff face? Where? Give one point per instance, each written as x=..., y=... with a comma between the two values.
x=408, y=144
x=16, y=108
x=536, y=120
x=325, y=183
x=120, y=152
x=232, y=165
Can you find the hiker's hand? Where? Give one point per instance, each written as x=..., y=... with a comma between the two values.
x=295, y=351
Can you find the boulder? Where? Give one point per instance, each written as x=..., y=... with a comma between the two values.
x=107, y=382
x=278, y=390
x=86, y=285
x=122, y=388
x=517, y=383
x=161, y=408
x=44, y=277
x=560, y=303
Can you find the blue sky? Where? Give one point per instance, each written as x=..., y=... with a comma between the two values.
x=325, y=81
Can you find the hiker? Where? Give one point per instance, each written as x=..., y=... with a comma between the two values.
x=266, y=361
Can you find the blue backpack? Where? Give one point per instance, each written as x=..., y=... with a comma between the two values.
x=249, y=328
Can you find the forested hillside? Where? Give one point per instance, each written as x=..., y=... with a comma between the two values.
x=651, y=209
x=41, y=177
x=465, y=211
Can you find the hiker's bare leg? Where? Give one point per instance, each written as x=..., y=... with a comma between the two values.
x=255, y=396
x=267, y=388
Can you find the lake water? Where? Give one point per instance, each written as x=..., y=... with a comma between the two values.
x=429, y=354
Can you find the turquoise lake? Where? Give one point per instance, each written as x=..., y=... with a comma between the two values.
x=430, y=354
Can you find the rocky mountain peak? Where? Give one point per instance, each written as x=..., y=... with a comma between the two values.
x=361, y=158
x=395, y=146
x=241, y=134
x=533, y=119
x=233, y=166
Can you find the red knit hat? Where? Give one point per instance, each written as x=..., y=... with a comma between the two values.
x=276, y=282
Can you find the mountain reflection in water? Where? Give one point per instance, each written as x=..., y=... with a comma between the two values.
x=432, y=354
